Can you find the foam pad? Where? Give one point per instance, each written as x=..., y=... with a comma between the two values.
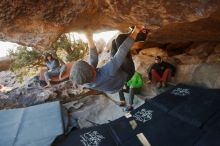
x=134, y=141
x=175, y=96
x=213, y=124
x=198, y=109
x=121, y=129
x=161, y=129
x=94, y=136
x=36, y=125
x=209, y=139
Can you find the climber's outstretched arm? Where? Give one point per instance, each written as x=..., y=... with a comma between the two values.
x=93, y=54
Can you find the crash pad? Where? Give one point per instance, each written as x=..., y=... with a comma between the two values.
x=161, y=129
x=162, y=121
x=31, y=126
x=94, y=136
x=197, y=110
x=213, y=124
x=176, y=96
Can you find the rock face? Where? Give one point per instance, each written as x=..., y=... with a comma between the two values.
x=8, y=79
x=198, y=65
x=39, y=23
x=5, y=63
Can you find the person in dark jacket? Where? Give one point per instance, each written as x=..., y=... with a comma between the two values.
x=160, y=72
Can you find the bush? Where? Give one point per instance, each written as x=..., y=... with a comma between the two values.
x=27, y=60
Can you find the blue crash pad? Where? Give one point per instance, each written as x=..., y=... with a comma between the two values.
x=31, y=126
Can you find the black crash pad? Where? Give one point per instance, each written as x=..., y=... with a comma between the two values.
x=209, y=139
x=161, y=129
x=175, y=96
x=198, y=109
x=94, y=136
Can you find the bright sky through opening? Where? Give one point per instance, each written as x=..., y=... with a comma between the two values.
x=5, y=46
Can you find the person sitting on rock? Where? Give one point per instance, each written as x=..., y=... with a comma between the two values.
x=133, y=86
x=160, y=71
x=111, y=77
x=54, y=68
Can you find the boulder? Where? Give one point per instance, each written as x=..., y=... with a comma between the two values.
x=142, y=63
x=8, y=79
x=207, y=75
x=153, y=52
x=189, y=59
x=213, y=58
x=201, y=48
x=217, y=49
x=184, y=73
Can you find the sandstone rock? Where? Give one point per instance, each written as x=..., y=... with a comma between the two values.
x=150, y=44
x=188, y=59
x=217, y=83
x=38, y=24
x=43, y=96
x=207, y=75
x=34, y=94
x=8, y=79
x=201, y=49
x=3, y=96
x=74, y=105
x=97, y=109
x=217, y=49
x=177, y=48
x=197, y=31
x=213, y=58
x=184, y=73
x=64, y=94
x=142, y=63
x=153, y=52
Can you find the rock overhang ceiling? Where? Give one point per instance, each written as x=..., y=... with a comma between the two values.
x=38, y=23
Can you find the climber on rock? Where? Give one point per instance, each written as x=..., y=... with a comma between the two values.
x=111, y=77
x=160, y=72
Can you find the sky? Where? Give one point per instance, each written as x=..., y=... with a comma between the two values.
x=5, y=46
x=105, y=35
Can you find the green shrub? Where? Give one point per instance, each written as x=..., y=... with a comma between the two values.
x=27, y=60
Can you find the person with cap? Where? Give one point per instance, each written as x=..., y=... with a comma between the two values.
x=54, y=68
x=111, y=77
x=160, y=72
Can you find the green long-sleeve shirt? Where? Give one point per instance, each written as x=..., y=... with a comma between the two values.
x=136, y=81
